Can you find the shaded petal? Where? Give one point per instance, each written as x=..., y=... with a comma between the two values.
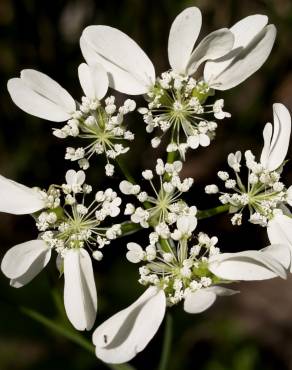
x=183, y=34
x=128, y=332
x=267, y=135
x=280, y=231
x=80, y=297
x=244, y=31
x=130, y=70
x=18, y=199
x=24, y=261
x=39, y=95
x=202, y=299
x=252, y=45
x=213, y=46
x=276, y=146
x=93, y=80
x=280, y=252
x=246, y=62
x=247, y=265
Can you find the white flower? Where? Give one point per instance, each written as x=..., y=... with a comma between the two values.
x=234, y=161
x=253, y=41
x=135, y=253
x=77, y=226
x=128, y=332
x=276, y=138
x=186, y=225
x=75, y=180
x=232, y=55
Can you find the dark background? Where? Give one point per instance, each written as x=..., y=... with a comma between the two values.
x=250, y=331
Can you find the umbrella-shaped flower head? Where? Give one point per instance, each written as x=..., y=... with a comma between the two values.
x=264, y=193
x=176, y=271
x=95, y=119
x=176, y=99
x=67, y=226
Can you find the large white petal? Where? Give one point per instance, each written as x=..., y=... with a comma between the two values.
x=39, y=95
x=202, y=299
x=128, y=332
x=183, y=34
x=276, y=147
x=280, y=231
x=242, y=64
x=280, y=252
x=247, y=265
x=244, y=31
x=130, y=70
x=24, y=261
x=93, y=80
x=80, y=297
x=213, y=46
x=18, y=199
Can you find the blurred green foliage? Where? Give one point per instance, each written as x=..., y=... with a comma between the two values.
x=246, y=333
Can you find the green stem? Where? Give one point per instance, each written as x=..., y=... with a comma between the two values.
x=129, y=228
x=212, y=211
x=67, y=333
x=125, y=171
x=171, y=157
x=164, y=243
x=164, y=359
x=73, y=336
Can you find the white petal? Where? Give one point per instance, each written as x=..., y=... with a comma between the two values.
x=202, y=299
x=93, y=80
x=80, y=177
x=280, y=252
x=182, y=37
x=128, y=332
x=126, y=187
x=135, y=252
x=39, y=95
x=244, y=31
x=289, y=195
x=186, y=224
x=280, y=231
x=18, y=199
x=267, y=135
x=130, y=70
x=247, y=265
x=213, y=46
x=242, y=64
x=275, y=149
x=80, y=297
x=24, y=261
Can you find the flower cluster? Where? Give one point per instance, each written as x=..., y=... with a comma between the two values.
x=69, y=223
x=101, y=124
x=69, y=226
x=179, y=264
x=164, y=206
x=176, y=104
x=263, y=193
x=102, y=127
x=174, y=266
